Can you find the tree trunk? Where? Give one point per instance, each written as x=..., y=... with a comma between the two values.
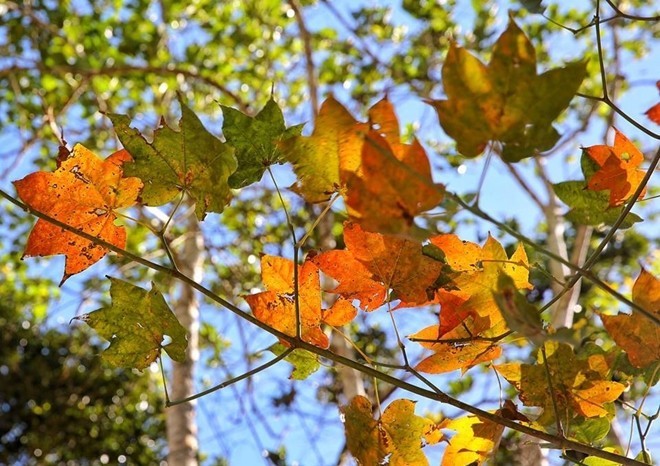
x=181, y=423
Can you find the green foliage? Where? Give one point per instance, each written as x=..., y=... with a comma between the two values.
x=136, y=325
x=60, y=403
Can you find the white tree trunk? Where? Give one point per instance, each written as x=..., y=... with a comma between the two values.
x=181, y=422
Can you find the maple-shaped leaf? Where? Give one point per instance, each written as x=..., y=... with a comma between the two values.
x=474, y=442
x=636, y=333
x=84, y=193
x=398, y=436
x=316, y=159
x=374, y=263
x=304, y=362
x=590, y=207
x=654, y=112
x=477, y=271
x=392, y=183
x=255, y=140
x=504, y=101
x=276, y=306
x=618, y=169
x=136, y=324
x=189, y=160
x=579, y=386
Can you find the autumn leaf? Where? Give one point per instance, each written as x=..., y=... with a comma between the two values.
x=393, y=182
x=450, y=356
x=474, y=442
x=618, y=169
x=373, y=263
x=355, y=280
x=190, y=160
x=476, y=280
x=136, y=324
x=654, y=112
x=399, y=435
x=84, y=193
x=579, y=386
x=504, y=101
x=635, y=333
x=276, y=306
x=316, y=159
x=255, y=140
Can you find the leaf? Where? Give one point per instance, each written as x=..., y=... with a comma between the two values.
x=190, y=160
x=590, y=431
x=597, y=461
x=276, y=307
x=506, y=100
x=590, y=207
x=373, y=263
x=135, y=324
x=84, y=193
x=518, y=313
x=476, y=280
x=533, y=6
x=474, y=442
x=398, y=435
x=355, y=279
x=304, y=363
x=393, y=182
x=635, y=333
x=618, y=172
x=654, y=112
x=452, y=356
x=579, y=385
x=316, y=159
x=255, y=141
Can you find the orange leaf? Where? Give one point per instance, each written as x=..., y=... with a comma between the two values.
x=83, y=192
x=476, y=279
x=373, y=263
x=341, y=313
x=450, y=357
x=355, y=280
x=618, y=171
x=635, y=333
x=397, y=263
x=276, y=307
x=654, y=112
x=393, y=183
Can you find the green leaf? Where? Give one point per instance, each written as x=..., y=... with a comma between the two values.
x=533, y=6
x=506, y=100
x=255, y=141
x=596, y=461
x=590, y=207
x=135, y=324
x=304, y=362
x=190, y=160
x=590, y=431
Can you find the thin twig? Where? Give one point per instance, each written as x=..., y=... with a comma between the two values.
x=229, y=382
